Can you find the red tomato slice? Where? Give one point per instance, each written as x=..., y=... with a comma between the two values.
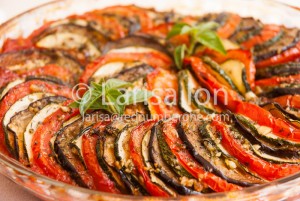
x=286, y=56
x=15, y=44
x=164, y=85
x=22, y=90
x=268, y=32
x=101, y=179
x=265, y=118
x=230, y=26
x=275, y=81
x=226, y=96
x=292, y=101
x=42, y=152
x=136, y=138
x=6, y=76
x=129, y=12
x=188, y=162
x=244, y=56
x=154, y=59
x=265, y=169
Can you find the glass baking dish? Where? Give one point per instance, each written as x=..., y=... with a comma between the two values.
x=267, y=11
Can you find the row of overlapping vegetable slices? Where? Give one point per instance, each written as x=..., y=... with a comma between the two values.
x=187, y=154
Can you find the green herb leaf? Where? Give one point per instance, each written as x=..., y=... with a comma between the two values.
x=207, y=26
x=75, y=104
x=115, y=102
x=176, y=30
x=116, y=84
x=179, y=54
x=211, y=40
x=136, y=96
x=88, y=99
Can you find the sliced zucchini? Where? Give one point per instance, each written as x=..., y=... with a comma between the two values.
x=229, y=45
x=28, y=59
x=265, y=133
x=187, y=97
x=75, y=36
x=163, y=170
x=220, y=74
x=146, y=158
x=67, y=156
x=237, y=72
x=134, y=43
x=203, y=143
x=167, y=154
x=34, y=124
x=18, y=106
x=270, y=42
x=19, y=122
x=291, y=68
x=289, y=40
x=248, y=28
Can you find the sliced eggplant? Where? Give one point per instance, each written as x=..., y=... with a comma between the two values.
x=190, y=94
x=73, y=35
x=203, y=143
x=219, y=18
x=291, y=68
x=18, y=106
x=112, y=69
x=163, y=170
x=19, y=122
x=248, y=28
x=32, y=126
x=280, y=90
x=134, y=44
x=69, y=158
x=288, y=40
x=220, y=74
x=107, y=159
x=122, y=154
x=237, y=72
x=135, y=73
x=28, y=59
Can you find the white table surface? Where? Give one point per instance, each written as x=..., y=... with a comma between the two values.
x=9, y=8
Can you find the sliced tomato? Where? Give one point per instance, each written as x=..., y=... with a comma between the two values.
x=22, y=90
x=16, y=44
x=101, y=179
x=286, y=56
x=188, y=162
x=6, y=76
x=42, y=152
x=244, y=56
x=292, y=101
x=268, y=32
x=52, y=70
x=277, y=80
x=230, y=26
x=128, y=12
x=164, y=85
x=154, y=59
x=265, y=169
x=265, y=118
x=225, y=95
x=136, y=138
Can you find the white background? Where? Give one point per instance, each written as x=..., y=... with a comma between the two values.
x=9, y=8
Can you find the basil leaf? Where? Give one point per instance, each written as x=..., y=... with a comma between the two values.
x=211, y=40
x=176, y=30
x=88, y=99
x=136, y=96
x=206, y=26
x=116, y=84
x=75, y=104
x=97, y=86
x=116, y=103
x=179, y=54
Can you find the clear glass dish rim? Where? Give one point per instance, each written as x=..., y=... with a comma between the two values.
x=12, y=163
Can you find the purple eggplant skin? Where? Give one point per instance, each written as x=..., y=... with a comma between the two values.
x=291, y=68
